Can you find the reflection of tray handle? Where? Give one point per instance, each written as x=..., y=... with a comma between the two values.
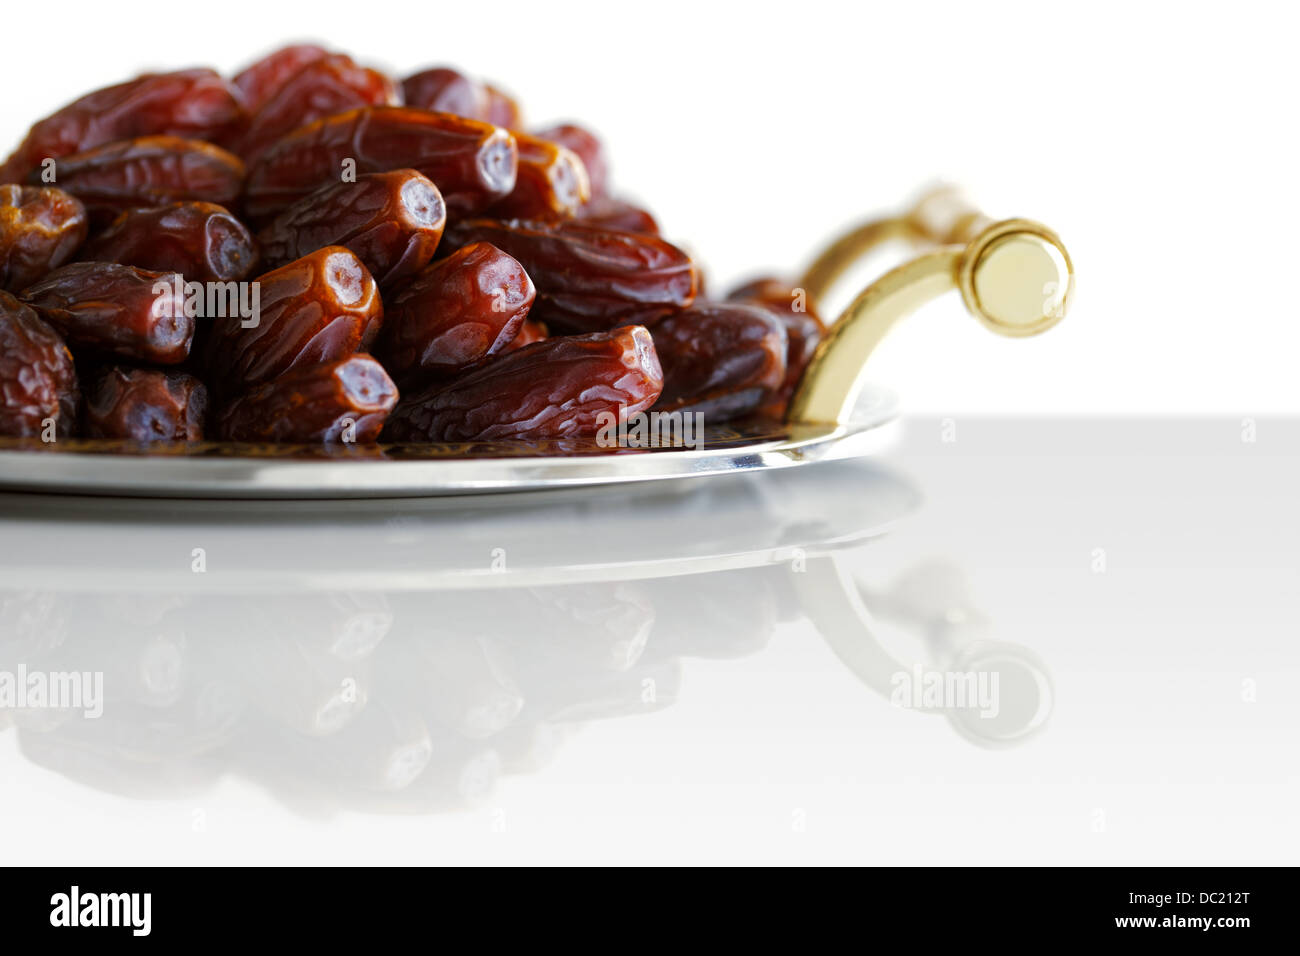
x=1015, y=277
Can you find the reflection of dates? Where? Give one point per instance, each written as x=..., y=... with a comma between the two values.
x=803, y=329
x=345, y=400
x=551, y=182
x=320, y=88
x=192, y=104
x=722, y=360
x=589, y=149
x=200, y=240
x=392, y=221
x=454, y=313
x=144, y=405
x=150, y=171
x=556, y=388
x=40, y=229
x=320, y=308
x=588, y=278
x=472, y=163
x=259, y=81
x=37, y=378
x=119, y=310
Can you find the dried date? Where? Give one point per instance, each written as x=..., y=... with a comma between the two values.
x=150, y=171
x=550, y=182
x=38, y=382
x=258, y=82
x=531, y=331
x=610, y=213
x=589, y=278
x=108, y=308
x=447, y=91
x=40, y=229
x=200, y=240
x=589, y=149
x=473, y=163
x=804, y=332
x=554, y=389
x=455, y=313
x=317, y=309
x=723, y=360
x=392, y=221
x=137, y=404
x=344, y=400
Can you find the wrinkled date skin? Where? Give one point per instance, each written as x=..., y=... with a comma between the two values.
x=114, y=309
x=191, y=104
x=344, y=400
x=320, y=308
x=588, y=278
x=446, y=90
x=455, y=313
x=473, y=163
x=589, y=149
x=502, y=109
x=38, y=381
x=393, y=222
x=609, y=213
x=40, y=229
x=553, y=389
x=804, y=332
x=259, y=81
x=551, y=182
x=150, y=171
x=531, y=331
x=323, y=87
x=723, y=360
x=137, y=404
x=202, y=241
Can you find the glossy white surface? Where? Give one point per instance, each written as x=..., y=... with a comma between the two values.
x=677, y=676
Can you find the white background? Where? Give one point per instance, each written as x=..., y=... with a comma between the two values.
x=1157, y=139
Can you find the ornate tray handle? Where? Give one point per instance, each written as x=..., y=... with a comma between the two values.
x=1014, y=276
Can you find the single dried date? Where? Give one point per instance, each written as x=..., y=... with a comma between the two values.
x=40, y=229
x=38, y=382
x=259, y=81
x=138, y=404
x=609, y=213
x=150, y=171
x=473, y=163
x=589, y=278
x=392, y=221
x=200, y=240
x=723, y=360
x=191, y=104
x=317, y=309
x=589, y=149
x=323, y=87
x=447, y=91
x=804, y=332
x=454, y=313
x=557, y=388
x=345, y=400
x=550, y=182
x=114, y=309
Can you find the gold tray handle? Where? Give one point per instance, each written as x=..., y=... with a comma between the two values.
x=1014, y=276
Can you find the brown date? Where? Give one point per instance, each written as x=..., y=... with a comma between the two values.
x=38, y=381
x=502, y=109
x=40, y=229
x=454, y=313
x=138, y=404
x=588, y=278
x=556, y=388
x=531, y=331
x=150, y=171
x=317, y=309
x=589, y=149
x=258, y=82
x=447, y=91
x=200, y=240
x=343, y=400
x=392, y=221
x=472, y=163
x=114, y=309
x=550, y=181
x=723, y=360
x=191, y=104
x=323, y=87
x=804, y=332
x=609, y=213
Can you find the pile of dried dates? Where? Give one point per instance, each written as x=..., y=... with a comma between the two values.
x=311, y=251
